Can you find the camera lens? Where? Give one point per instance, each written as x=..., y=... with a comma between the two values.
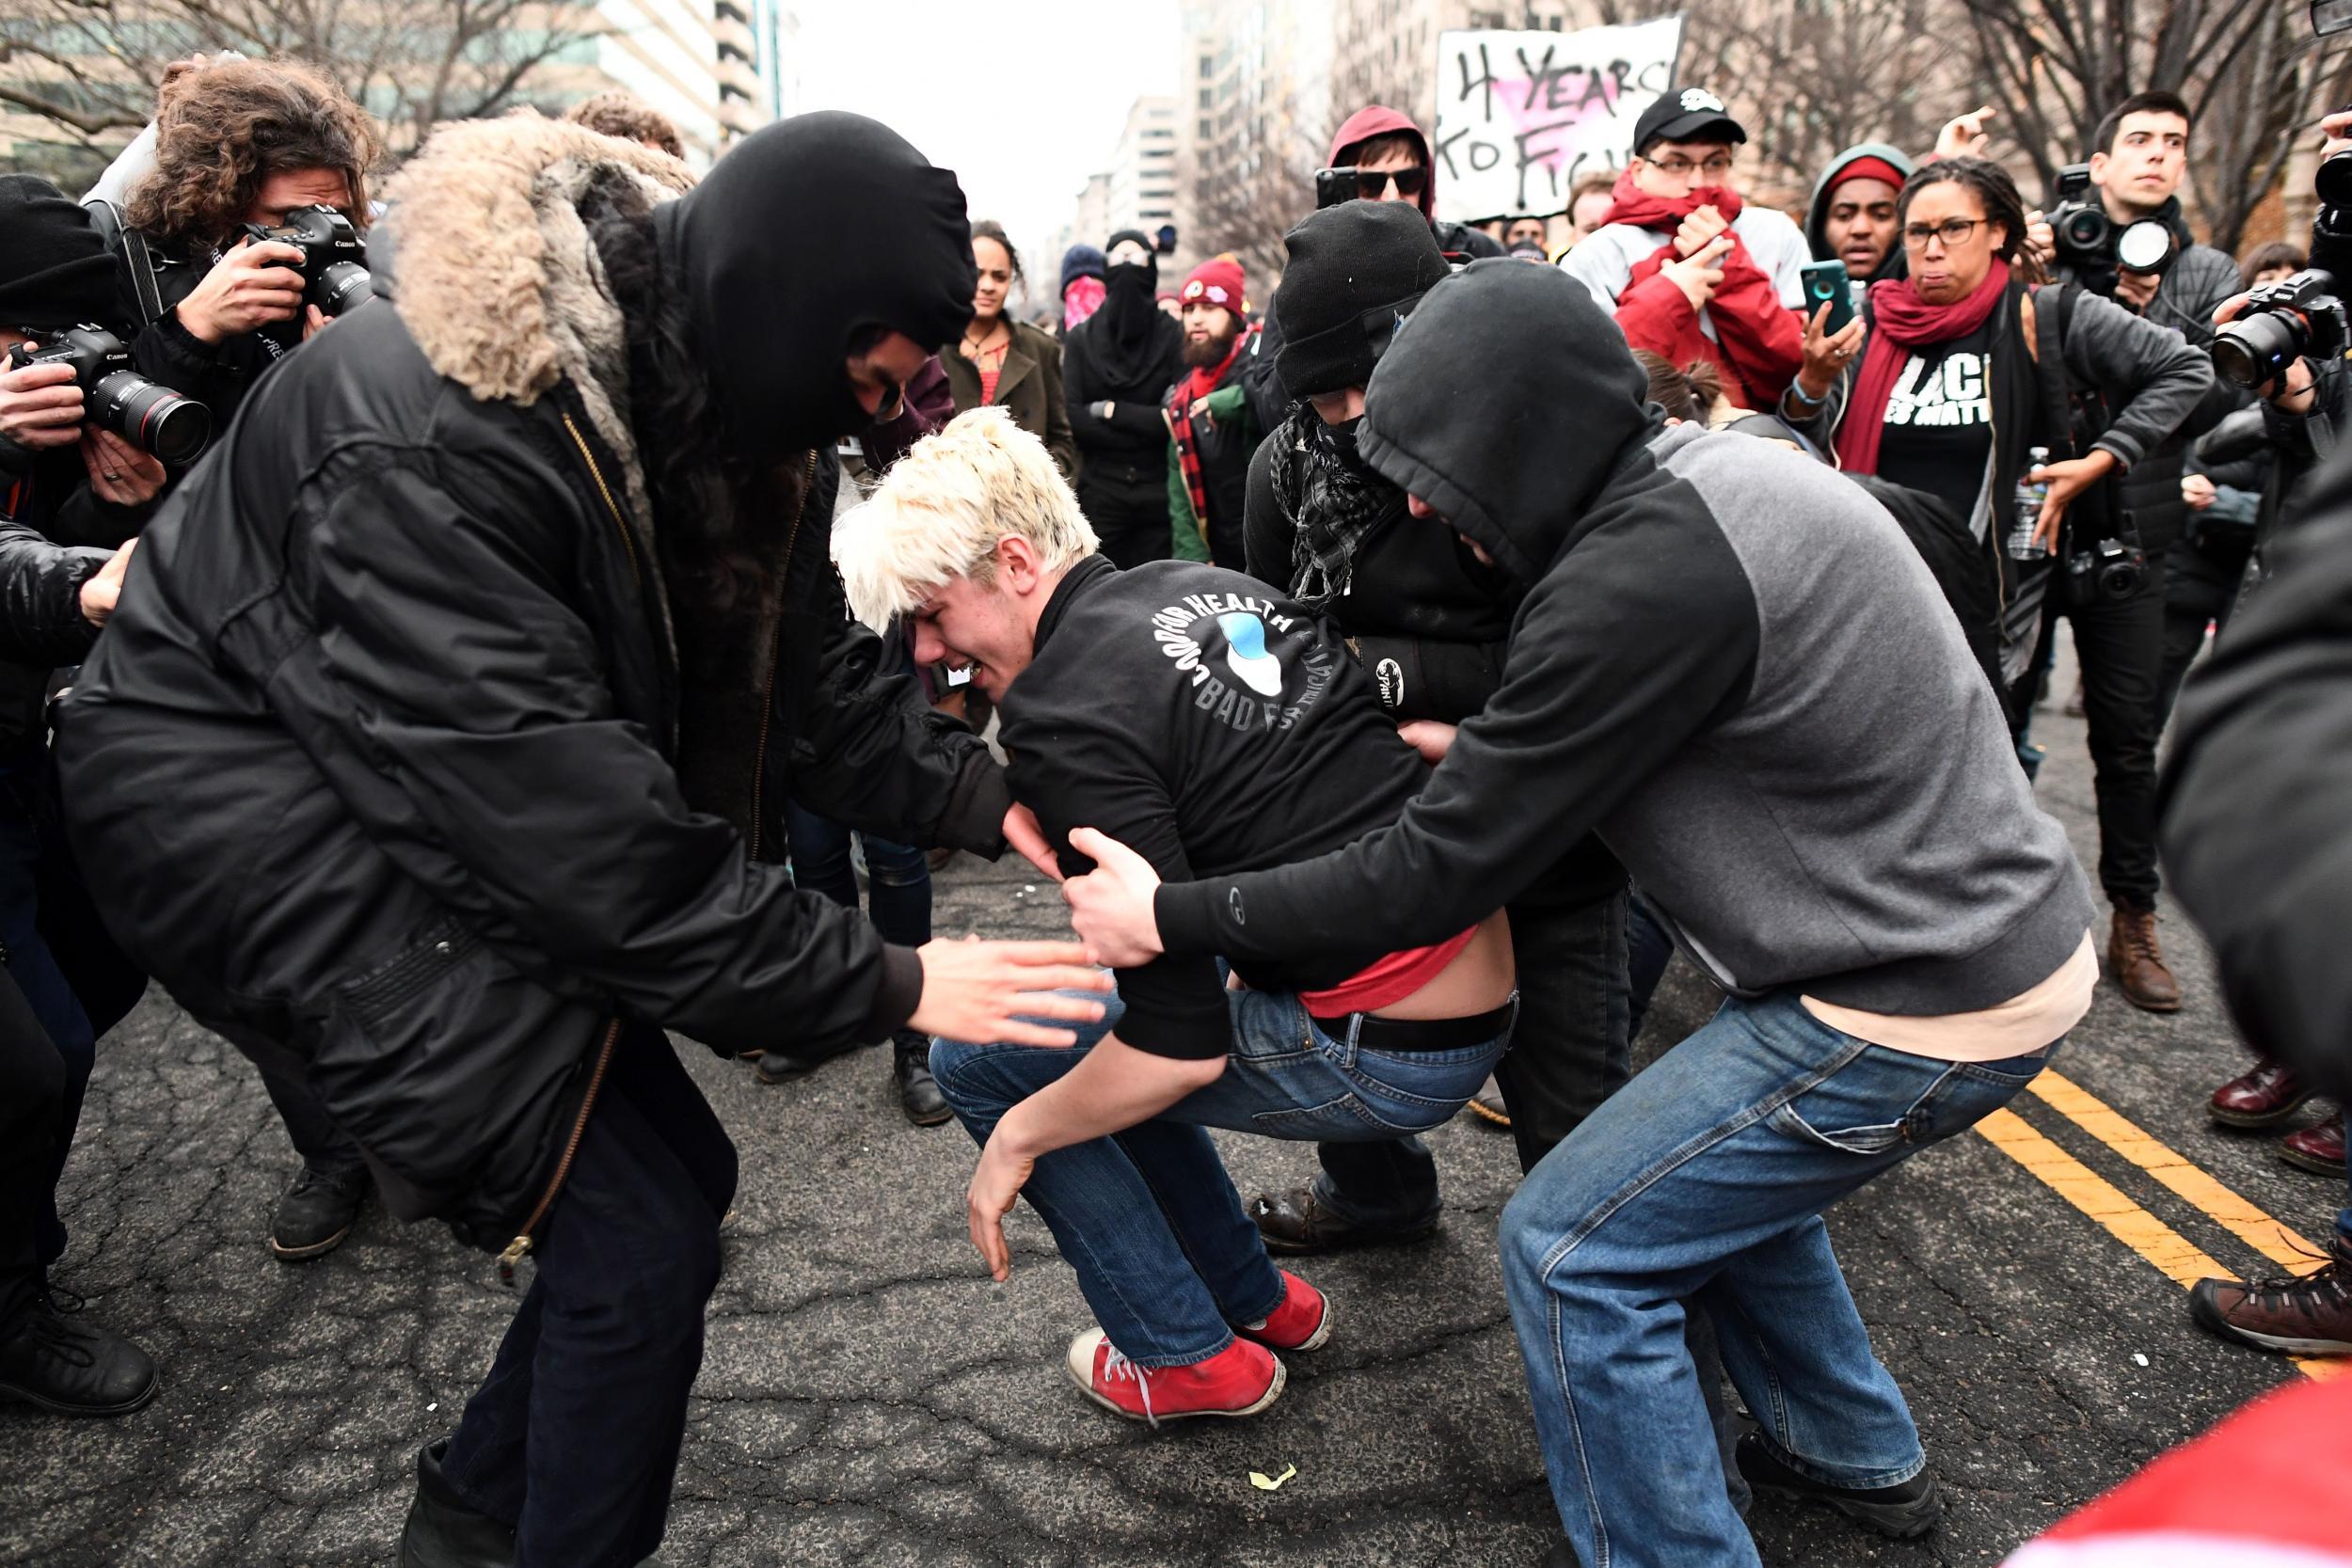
x=151, y=417
x=2084, y=229
x=343, y=286
x=2252, y=349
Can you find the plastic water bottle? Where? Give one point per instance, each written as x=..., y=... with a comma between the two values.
x=2030, y=495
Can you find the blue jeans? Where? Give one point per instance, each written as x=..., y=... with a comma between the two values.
x=1149, y=1219
x=1705, y=1177
x=898, y=877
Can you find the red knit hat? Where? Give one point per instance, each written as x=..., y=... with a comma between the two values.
x=1218, y=280
x=1867, y=168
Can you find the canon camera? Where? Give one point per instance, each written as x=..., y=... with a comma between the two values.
x=116, y=397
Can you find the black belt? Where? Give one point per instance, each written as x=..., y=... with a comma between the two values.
x=1423, y=1034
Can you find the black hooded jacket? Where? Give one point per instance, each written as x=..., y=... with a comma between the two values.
x=398, y=763
x=1127, y=355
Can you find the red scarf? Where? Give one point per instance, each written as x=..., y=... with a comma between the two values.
x=1199, y=384
x=1757, y=344
x=1629, y=203
x=1901, y=322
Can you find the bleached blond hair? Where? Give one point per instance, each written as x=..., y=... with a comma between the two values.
x=942, y=509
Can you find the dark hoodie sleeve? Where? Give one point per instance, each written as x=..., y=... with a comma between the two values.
x=1614, y=665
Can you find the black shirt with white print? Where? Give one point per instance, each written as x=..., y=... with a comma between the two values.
x=1213, y=727
x=1938, y=430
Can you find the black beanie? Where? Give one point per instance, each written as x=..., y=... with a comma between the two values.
x=1356, y=272
x=54, y=268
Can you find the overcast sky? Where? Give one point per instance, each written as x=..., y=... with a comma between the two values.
x=1023, y=99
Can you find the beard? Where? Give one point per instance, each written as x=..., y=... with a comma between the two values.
x=1209, y=352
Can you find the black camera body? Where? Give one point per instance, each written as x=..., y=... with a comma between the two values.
x=2092, y=243
x=334, y=258
x=114, y=397
x=2113, y=568
x=2296, y=318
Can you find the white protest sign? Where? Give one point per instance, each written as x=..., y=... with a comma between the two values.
x=1520, y=115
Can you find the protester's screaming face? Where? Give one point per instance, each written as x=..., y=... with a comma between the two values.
x=1948, y=241
x=996, y=274
x=973, y=626
x=1209, y=331
x=1861, y=226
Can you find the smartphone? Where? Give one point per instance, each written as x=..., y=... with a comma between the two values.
x=1334, y=186
x=1825, y=283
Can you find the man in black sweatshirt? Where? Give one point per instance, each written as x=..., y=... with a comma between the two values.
x=1429, y=623
x=1811, y=782
x=1242, y=735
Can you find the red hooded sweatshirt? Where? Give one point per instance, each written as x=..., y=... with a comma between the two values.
x=1380, y=120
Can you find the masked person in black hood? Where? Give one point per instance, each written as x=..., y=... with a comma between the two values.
x=1902, y=942
x=1117, y=366
x=1430, y=625
x=438, y=751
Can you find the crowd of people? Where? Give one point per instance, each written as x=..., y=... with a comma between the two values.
x=1386, y=741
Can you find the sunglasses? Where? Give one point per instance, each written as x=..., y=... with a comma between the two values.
x=1372, y=183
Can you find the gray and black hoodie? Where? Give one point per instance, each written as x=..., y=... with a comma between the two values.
x=1724, y=657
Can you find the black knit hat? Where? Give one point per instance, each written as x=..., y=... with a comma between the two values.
x=54, y=268
x=1356, y=272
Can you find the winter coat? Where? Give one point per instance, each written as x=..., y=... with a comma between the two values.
x=400, y=768
x=1029, y=383
x=1224, y=432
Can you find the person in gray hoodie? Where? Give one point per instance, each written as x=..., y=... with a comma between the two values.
x=1814, y=786
x=1851, y=216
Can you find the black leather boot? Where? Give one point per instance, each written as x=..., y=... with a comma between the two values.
x=911, y=1070
x=443, y=1531
x=73, y=1367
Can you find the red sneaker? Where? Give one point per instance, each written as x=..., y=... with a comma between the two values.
x=1303, y=1322
x=1240, y=1380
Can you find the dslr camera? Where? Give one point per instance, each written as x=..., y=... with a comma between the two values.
x=334, y=271
x=2091, y=241
x=150, y=417
x=2113, y=568
x=2296, y=318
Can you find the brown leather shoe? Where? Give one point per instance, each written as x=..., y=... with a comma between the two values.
x=2306, y=1315
x=2317, y=1148
x=2137, y=967
x=1296, y=1221
x=2265, y=1097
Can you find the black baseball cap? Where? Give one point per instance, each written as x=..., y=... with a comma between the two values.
x=1679, y=115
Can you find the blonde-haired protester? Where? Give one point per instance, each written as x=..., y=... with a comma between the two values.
x=1245, y=735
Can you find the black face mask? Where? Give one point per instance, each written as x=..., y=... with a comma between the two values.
x=1343, y=442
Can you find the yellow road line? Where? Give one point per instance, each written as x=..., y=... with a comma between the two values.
x=2172, y=1253
x=2273, y=1238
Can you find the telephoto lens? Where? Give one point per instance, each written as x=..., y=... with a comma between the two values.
x=150, y=415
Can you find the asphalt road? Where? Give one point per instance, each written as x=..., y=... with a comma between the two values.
x=869, y=1398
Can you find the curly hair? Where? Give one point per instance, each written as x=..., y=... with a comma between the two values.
x=628, y=116
x=989, y=229
x=222, y=131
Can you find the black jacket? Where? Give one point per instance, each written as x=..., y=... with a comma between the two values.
x=2257, y=843
x=1135, y=435
x=1244, y=737
x=398, y=766
x=1224, y=447
x=54, y=536
x=1428, y=623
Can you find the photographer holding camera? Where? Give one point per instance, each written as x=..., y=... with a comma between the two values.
x=240, y=145
x=65, y=481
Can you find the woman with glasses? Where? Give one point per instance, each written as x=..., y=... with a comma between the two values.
x=1946, y=394
x=1690, y=270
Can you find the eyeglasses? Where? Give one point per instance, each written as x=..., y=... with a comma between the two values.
x=1372, y=183
x=1952, y=232
x=1714, y=168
